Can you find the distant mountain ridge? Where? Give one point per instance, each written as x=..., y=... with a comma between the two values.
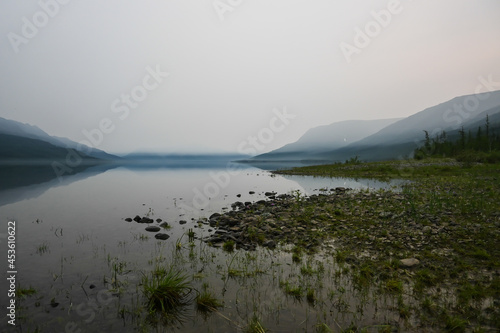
x=400, y=137
x=18, y=149
x=324, y=138
x=24, y=137
x=449, y=115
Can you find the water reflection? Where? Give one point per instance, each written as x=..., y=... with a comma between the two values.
x=24, y=182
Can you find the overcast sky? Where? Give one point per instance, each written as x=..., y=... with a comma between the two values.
x=204, y=75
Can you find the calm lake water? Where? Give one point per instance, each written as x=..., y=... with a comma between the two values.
x=71, y=236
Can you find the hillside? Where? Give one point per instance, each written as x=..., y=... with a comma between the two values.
x=15, y=128
x=399, y=138
x=17, y=149
x=326, y=138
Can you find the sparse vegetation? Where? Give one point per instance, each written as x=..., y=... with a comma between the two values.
x=206, y=302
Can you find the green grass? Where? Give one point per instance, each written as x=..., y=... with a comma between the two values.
x=23, y=292
x=207, y=302
x=455, y=324
x=394, y=286
x=166, y=290
x=255, y=326
x=228, y=246
x=42, y=248
x=295, y=291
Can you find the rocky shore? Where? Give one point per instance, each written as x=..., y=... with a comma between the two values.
x=363, y=225
x=432, y=244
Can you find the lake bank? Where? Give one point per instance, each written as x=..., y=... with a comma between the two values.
x=437, y=241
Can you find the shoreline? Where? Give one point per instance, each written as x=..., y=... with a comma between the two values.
x=436, y=240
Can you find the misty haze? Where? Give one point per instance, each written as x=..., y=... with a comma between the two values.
x=250, y=166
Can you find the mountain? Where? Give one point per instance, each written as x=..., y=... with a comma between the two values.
x=402, y=137
x=93, y=152
x=15, y=128
x=325, y=138
x=18, y=149
x=390, y=138
x=445, y=116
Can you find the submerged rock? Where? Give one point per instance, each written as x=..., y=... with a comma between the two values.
x=128, y=219
x=153, y=228
x=214, y=216
x=162, y=236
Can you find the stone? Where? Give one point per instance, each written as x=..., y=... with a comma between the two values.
x=214, y=216
x=137, y=218
x=270, y=244
x=251, y=192
x=409, y=262
x=215, y=240
x=162, y=236
x=153, y=228
x=182, y=222
x=128, y=219
x=159, y=220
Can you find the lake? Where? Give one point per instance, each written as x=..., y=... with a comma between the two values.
x=86, y=263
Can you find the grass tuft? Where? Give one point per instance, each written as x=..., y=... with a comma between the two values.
x=166, y=290
x=206, y=302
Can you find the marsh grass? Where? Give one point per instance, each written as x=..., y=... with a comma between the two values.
x=42, y=248
x=206, y=302
x=24, y=292
x=166, y=289
x=228, y=246
x=255, y=326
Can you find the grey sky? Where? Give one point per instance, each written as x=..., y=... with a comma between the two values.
x=232, y=64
